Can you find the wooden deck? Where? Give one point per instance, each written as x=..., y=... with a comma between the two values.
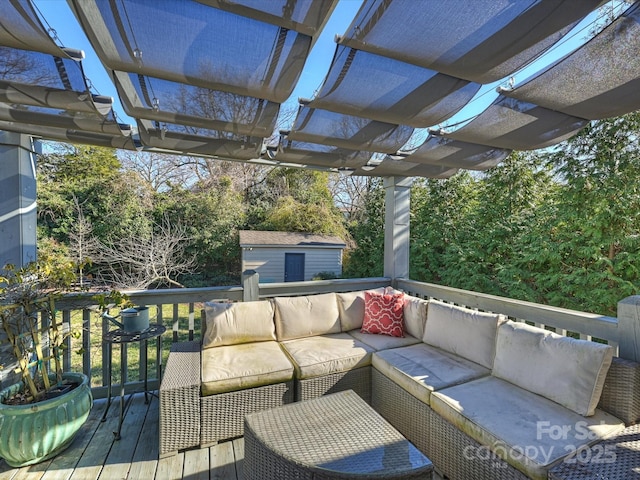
x=95, y=455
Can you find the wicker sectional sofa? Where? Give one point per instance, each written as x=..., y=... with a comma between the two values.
x=482, y=396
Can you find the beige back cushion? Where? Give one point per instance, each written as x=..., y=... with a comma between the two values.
x=234, y=323
x=299, y=317
x=415, y=315
x=351, y=308
x=464, y=332
x=568, y=371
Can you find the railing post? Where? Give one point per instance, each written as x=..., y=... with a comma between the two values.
x=629, y=327
x=251, y=290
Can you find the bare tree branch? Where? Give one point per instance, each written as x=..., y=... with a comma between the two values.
x=136, y=262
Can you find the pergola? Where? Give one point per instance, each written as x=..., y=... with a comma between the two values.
x=401, y=98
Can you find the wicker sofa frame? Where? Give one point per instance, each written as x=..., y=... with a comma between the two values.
x=445, y=444
x=188, y=420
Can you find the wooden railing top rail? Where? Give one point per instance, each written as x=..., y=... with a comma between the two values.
x=268, y=290
x=157, y=297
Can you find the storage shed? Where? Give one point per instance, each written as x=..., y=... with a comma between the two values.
x=289, y=256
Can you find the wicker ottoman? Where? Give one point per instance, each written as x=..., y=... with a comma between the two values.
x=617, y=458
x=337, y=436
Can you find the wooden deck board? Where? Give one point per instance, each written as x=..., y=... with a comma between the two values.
x=63, y=465
x=95, y=454
x=171, y=468
x=145, y=458
x=222, y=461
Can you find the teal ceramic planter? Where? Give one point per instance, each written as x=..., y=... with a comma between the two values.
x=36, y=432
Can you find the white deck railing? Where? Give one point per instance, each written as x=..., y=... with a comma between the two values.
x=170, y=307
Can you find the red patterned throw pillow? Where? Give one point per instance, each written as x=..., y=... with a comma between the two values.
x=383, y=314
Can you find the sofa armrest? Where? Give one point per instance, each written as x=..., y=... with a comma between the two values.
x=621, y=393
x=180, y=399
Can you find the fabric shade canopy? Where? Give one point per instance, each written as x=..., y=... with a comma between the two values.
x=403, y=93
x=443, y=151
x=518, y=125
x=215, y=77
x=601, y=79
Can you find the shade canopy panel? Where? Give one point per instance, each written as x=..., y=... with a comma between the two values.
x=304, y=16
x=480, y=41
x=155, y=136
x=321, y=155
x=198, y=45
x=600, y=79
x=348, y=131
x=437, y=150
x=20, y=28
x=73, y=135
x=172, y=102
x=512, y=124
x=401, y=93
x=390, y=166
x=407, y=89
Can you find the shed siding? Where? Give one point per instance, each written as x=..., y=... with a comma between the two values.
x=269, y=262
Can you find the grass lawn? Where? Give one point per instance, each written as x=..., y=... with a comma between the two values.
x=175, y=318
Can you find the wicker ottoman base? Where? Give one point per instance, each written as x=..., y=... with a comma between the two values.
x=337, y=436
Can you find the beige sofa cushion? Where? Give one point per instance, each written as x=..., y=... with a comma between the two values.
x=421, y=369
x=351, y=308
x=565, y=370
x=415, y=315
x=327, y=354
x=528, y=431
x=383, y=342
x=468, y=333
x=236, y=367
x=299, y=317
x=234, y=323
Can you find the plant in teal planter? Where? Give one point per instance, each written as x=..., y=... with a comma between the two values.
x=41, y=413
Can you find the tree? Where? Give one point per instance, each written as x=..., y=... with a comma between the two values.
x=440, y=227
x=212, y=218
x=300, y=201
x=113, y=201
x=348, y=193
x=159, y=171
x=151, y=261
x=367, y=258
x=592, y=244
x=83, y=245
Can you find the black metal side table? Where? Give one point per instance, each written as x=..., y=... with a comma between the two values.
x=124, y=338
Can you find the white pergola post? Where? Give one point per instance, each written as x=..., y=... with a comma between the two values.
x=17, y=199
x=396, y=226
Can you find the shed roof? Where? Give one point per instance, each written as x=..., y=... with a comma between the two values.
x=249, y=238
